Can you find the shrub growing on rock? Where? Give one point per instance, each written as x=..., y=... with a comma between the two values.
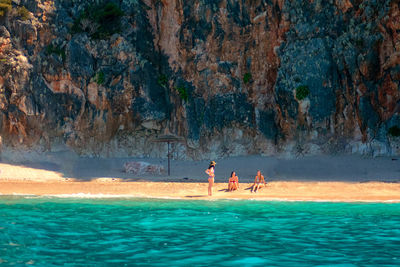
x=23, y=13
x=100, y=21
x=162, y=80
x=302, y=92
x=52, y=49
x=5, y=6
x=394, y=131
x=100, y=78
x=182, y=92
x=247, y=77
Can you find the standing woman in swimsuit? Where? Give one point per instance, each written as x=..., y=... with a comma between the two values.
x=211, y=175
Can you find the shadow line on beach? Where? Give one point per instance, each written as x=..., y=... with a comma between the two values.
x=340, y=169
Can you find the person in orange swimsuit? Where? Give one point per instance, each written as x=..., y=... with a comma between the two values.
x=211, y=175
x=233, y=183
x=258, y=182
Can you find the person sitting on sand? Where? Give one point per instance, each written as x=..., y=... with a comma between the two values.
x=258, y=182
x=233, y=183
x=211, y=175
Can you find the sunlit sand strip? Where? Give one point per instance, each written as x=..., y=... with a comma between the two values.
x=275, y=191
x=9, y=172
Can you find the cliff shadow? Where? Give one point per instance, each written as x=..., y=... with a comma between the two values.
x=312, y=168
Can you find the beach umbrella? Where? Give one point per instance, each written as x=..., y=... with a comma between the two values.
x=168, y=138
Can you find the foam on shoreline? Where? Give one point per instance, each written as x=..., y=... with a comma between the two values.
x=140, y=196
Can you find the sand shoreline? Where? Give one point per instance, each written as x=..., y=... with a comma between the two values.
x=316, y=178
x=275, y=191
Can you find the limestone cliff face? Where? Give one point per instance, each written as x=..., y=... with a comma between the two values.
x=106, y=77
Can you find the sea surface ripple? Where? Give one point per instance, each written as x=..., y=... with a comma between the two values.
x=144, y=232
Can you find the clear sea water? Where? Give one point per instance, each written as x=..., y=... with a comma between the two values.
x=143, y=232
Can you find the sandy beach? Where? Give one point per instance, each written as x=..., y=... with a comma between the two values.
x=288, y=191
x=316, y=178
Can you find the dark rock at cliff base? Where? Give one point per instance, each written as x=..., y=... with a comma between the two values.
x=268, y=125
x=222, y=110
x=369, y=117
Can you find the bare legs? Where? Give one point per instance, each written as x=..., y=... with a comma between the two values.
x=210, y=185
x=255, y=188
x=232, y=187
x=235, y=186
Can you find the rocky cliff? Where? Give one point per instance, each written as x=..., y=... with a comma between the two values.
x=233, y=77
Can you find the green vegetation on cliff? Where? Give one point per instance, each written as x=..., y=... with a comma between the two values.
x=23, y=13
x=100, y=78
x=394, y=131
x=99, y=21
x=5, y=5
x=231, y=77
x=247, y=77
x=52, y=49
x=302, y=92
x=162, y=80
x=182, y=92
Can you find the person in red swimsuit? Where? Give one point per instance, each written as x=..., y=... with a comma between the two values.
x=233, y=183
x=211, y=175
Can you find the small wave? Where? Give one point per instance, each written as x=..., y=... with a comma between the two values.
x=109, y=196
x=88, y=195
x=76, y=195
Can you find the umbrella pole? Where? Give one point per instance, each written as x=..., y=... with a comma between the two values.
x=168, y=160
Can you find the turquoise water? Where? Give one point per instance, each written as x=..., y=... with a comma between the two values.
x=140, y=232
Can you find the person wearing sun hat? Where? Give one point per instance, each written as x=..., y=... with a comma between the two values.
x=211, y=175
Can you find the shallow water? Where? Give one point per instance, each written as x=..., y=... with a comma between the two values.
x=103, y=232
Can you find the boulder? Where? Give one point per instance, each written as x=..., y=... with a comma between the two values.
x=140, y=167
